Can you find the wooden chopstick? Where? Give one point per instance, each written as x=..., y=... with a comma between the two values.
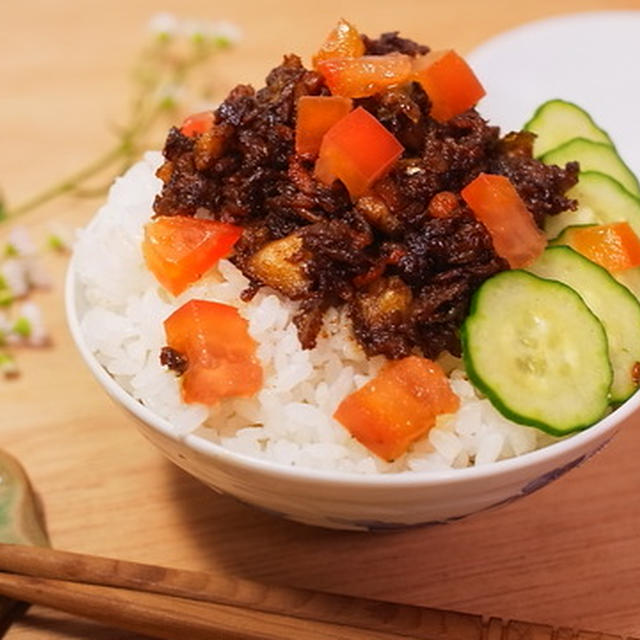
x=171, y=618
x=406, y=620
x=178, y=604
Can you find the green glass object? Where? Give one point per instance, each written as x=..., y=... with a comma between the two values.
x=21, y=522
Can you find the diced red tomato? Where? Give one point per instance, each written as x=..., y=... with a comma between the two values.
x=343, y=41
x=197, y=124
x=613, y=246
x=366, y=75
x=178, y=250
x=315, y=116
x=496, y=203
x=220, y=352
x=449, y=82
x=398, y=406
x=357, y=150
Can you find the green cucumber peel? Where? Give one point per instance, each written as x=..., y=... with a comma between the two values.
x=497, y=396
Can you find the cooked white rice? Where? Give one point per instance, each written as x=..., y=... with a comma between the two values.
x=289, y=420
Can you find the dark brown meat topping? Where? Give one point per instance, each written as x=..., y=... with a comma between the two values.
x=173, y=360
x=541, y=186
x=390, y=42
x=406, y=258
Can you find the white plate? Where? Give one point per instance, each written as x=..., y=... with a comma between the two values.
x=587, y=58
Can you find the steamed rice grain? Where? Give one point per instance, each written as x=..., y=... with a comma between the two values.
x=289, y=421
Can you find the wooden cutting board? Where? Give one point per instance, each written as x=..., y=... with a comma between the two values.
x=567, y=556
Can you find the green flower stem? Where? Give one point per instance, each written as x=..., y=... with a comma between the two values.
x=70, y=182
x=158, y=69
x=125, y=150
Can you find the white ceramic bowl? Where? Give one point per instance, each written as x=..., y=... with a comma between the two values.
x=345, y=501
x=342, y=500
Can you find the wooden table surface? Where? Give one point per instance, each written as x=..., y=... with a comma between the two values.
x=568, y=555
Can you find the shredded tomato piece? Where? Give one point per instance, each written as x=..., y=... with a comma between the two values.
x=613, y=246
x=358, y=150
x=197, y=124
x=315, y=116
x=398, y=406
x=220, y=353
x=366, y=75
x=450, y=83
x=180, y=249
x=496, y=203
x=343, y=41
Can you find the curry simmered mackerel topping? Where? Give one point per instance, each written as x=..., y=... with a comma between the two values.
x=348, y=181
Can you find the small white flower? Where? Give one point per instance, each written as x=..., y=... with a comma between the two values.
x=225, y=32
x=170, y=95
x=5, y=328
x=37, y=275
x=195, y=30
x=14, y=277
x=61, y=236
x=20, y=241
x=164, y=25
x=30, y=318
x=8, y=366
x=221, y=32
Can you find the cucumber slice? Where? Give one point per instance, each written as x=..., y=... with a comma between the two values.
x=537, y=352
x=602, y=200
x=555, y=225
x=557, y=121
x=594, y=156
x=613, y=304
x=630, y=278
x=608, y=199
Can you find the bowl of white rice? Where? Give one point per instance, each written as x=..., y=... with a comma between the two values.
x=281, y=450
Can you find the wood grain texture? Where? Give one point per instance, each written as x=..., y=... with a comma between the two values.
x=177, y=603
x=568, y=556
x=310, y=606
x=171, y=618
